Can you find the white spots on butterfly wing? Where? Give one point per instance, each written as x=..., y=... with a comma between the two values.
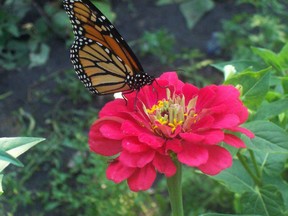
x=120, y=60
x=99, y=44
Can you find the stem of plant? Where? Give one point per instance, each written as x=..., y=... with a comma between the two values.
x=245, y=165
x=252, y=156
x=175, y=191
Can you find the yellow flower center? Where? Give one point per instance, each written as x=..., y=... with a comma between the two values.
x=172, y=112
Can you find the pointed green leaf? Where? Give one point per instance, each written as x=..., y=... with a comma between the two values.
x=8, y=158
x=8, y=143
x=16, y=146
x=269, y=57
x=283, y=57
x=284, y=82
x=1, y=189
x=255, y=85
x=268, y=110
x=269, y=138
x=266, y=201
x=235, y=178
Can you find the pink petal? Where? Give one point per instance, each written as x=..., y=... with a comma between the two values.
x=212, y=137
x=132, y=145
x=190, y=91
x=149, y=95
x=205, y=122
x=226, y=121
x=142, y=179
x=117, y=172
x=113, y=108
x=192, y=137
x=151, y=140
x=174, y=145
x=206, y=96
x=193, y=155
x=164, y=164
x=111, y=130
x=136, y=159
x=103, y=146
x=234, y=141
x=245, y=131
x=218, y=160
x=173, y=81
x=130, y=128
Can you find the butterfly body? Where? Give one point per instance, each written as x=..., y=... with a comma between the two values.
x=102, y=59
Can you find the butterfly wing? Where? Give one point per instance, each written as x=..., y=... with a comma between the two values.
x=101, y=57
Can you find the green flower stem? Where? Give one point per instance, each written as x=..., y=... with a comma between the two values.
x=175, y=191
x=247, y=168
x=255, y=163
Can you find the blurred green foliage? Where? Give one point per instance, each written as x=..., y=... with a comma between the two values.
x=266, y=27
x=24, y=41
x=159, y=44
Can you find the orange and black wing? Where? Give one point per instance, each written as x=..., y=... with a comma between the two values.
x=102, y=59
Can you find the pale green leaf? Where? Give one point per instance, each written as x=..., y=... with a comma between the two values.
x=16, y=146
x=8, y=158
x=1, y=189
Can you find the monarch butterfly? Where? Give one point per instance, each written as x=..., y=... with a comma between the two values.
x=102, y=59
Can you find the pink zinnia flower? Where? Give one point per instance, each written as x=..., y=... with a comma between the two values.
x=179, y=122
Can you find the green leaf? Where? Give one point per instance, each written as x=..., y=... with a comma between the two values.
x=271, y=164
x=269, y=57
x=194, y=10
x=166, y=2
x=269, y=138
x=235, y=178
x=255, y=85
x=266, y=201
x=7, y=157
x=16, y=146
x=268, y=110
x=284, y=82
x=1, y=189
x=279, y=183
x=283, y=57
x=218, y=214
